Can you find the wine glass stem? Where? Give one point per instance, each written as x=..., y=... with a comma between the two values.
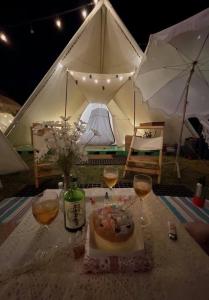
x=141, y=208
x=111, y=195
x=44, y=228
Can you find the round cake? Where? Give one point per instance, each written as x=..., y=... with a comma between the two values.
x=113, y=228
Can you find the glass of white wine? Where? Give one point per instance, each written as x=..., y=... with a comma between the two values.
x=110, y=175
x=142, y=185
x=45, y=207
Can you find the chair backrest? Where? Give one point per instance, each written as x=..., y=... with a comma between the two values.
x=147, y=164
x=39, y=134
x=146, y=144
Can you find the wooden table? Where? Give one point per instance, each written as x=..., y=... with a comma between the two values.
x=181, y=268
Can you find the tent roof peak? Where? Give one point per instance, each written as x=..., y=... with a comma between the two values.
x=127, y=57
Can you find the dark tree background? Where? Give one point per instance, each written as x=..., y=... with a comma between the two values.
x=28, y=57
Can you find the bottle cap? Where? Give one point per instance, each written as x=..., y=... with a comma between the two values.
x=198, y=190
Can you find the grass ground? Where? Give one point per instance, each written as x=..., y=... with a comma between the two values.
x=191, y=170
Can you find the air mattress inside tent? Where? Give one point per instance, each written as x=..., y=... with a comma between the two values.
x=99, y=121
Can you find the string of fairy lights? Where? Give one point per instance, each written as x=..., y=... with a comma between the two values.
x=5, y=39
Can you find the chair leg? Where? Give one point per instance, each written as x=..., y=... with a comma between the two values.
x=36, y=183
x=159, y=178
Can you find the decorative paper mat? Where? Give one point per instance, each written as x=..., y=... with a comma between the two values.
x=140, y=260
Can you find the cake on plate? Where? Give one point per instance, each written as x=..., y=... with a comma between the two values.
x=113, y=228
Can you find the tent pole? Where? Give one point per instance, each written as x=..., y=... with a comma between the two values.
x=66, y=94
x=183, y=119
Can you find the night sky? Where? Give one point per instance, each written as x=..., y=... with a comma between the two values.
x=28, y=57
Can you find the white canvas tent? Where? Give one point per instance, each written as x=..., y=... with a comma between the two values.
x=102, y=59
x=10, y=161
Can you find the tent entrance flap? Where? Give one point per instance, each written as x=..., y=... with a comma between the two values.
x=99, y=129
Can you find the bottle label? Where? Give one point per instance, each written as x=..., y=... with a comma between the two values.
x=74, y=214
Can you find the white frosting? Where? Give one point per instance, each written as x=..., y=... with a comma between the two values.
x=121, y=247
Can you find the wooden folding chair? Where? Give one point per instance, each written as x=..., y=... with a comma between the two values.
x=145, y=153
x=46, y=168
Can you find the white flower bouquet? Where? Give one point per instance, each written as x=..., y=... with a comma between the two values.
x=62, y=142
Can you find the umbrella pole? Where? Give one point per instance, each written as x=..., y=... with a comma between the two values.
x=183, y=119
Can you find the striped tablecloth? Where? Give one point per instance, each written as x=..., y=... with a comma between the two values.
x=13, y=209
x=185, y=210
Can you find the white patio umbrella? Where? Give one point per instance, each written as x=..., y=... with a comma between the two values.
x=174, y=76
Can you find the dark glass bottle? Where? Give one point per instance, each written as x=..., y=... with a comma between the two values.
x=74, y=207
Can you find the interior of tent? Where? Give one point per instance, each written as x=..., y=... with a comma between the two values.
x=99, y=129
x=98, y=65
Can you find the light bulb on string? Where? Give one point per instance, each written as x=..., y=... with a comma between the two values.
x=84, y=13
x=3, y=37
x=121, y=78
x=96, y=81
x=31, y=30
x=108, y=80
x=59, y=65
x=58, y=23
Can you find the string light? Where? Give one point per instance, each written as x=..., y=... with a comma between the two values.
x=59, y=65
x=108, y=80
x=71, y=73
x=96, y=81
x=121, y=78
x=3, y=37
x=58, y=23
x=84, y=13
x=84, y=78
